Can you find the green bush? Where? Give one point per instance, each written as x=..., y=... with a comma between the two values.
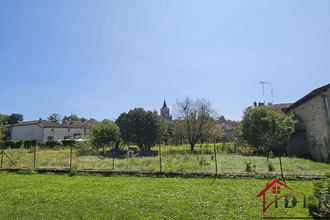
x=321, y=188
x=85, y=148
x=30, y=143
x=9, y=144
x=69, y=142
x=18, y=144
x=51, y=144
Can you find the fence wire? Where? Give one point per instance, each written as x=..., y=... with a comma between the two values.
x=211, y=158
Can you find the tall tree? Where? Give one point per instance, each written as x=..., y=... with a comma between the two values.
x=143, y=128
x=55, y=118
x=104, y=134
x=197, y=116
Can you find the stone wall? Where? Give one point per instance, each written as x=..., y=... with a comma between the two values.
x=314, y=119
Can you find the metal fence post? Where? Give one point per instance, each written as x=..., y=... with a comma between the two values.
x=34, y=157
x=160, y=158
x=215, y=159
x=1, y=157
x=113, y=159
x=70, y=156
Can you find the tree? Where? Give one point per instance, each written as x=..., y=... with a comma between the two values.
x=14, y=118
x=55, y=118
x=140, y=127
x=265, y=129
x=196, y=116
x=71, y=117
x=104, y=134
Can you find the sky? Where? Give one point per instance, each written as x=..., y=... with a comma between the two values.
x=102, y=58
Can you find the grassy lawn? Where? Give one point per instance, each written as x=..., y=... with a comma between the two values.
x=172, y=160
x=50, y=196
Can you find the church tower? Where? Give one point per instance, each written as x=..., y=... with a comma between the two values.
x=165, y=112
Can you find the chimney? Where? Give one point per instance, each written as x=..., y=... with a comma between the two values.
x=40, y=120
x=255, y=104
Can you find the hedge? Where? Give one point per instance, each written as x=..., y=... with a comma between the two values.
x=30, y=143
x=51, y=144
x=68, y=143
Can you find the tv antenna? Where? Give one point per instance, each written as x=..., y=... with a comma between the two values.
x=263, y=89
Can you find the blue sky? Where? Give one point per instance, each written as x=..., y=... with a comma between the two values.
x=102, y=58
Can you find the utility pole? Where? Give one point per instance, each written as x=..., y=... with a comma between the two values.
x=263, y=89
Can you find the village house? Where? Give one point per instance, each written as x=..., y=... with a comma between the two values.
x=312, y=136
x=43, y=131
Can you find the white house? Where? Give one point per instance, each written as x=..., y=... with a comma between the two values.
x=43, y=131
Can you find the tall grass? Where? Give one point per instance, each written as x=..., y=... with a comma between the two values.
x=173, y=159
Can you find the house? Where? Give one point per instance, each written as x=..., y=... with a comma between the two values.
x=229, y=127
x=312, y=136
x=43, y=131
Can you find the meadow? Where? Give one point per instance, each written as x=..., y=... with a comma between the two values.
x=172, y=159
x=83, y=196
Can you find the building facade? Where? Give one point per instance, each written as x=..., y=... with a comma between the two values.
x=312, y=136
x=43, y=131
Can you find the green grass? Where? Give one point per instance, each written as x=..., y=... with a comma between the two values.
x=49, y=196
x=173, y=159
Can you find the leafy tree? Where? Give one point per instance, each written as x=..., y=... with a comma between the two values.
x=197, y=116
x=3, y=119
x=104, y=134
x=265, y=129
x=143, y=128
x=71, y=117
x=14, y=118
x=55, y=118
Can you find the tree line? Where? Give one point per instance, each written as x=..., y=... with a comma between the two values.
x=196, y=122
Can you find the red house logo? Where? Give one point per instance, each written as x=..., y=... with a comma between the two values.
x=275, y=188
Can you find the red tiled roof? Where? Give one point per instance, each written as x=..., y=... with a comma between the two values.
x=48, y=124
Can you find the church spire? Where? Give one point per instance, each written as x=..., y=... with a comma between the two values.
x=164, y=105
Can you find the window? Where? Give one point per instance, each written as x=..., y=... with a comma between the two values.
x=52, y=130
x=69, y=130
x=276, y=190
x=50, y=138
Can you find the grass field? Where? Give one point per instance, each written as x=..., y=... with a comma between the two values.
x=50, y=196
x=173, y=159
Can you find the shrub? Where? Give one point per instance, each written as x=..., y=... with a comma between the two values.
x=271, y=167
x=69, y=142
x=18, y=144
x=85, y=148
x=321, y=188
x=51, y=144
x=9, y=144
x=30, y=143
x=250, y=166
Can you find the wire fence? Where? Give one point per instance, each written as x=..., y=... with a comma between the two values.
x=210, y=158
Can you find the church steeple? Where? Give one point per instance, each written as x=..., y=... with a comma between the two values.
x=165, y=112
x=164, y=105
